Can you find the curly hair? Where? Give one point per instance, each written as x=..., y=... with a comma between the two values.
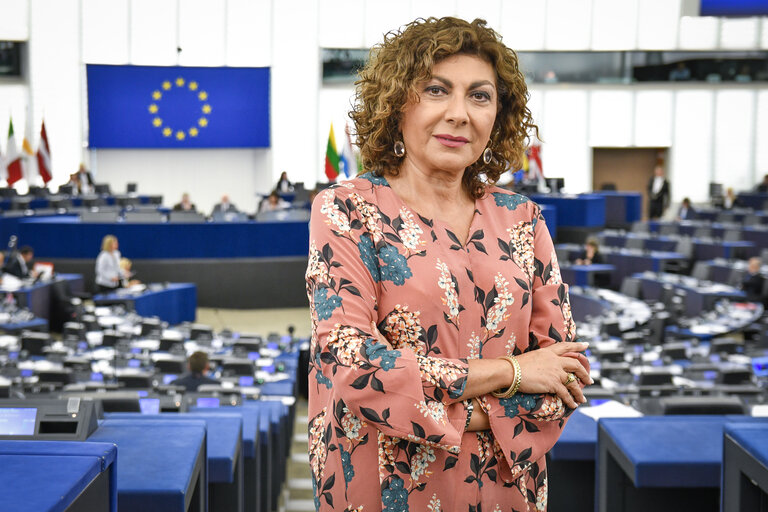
x=406, y=58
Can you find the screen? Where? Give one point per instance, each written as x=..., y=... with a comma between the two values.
x=27, y=372
x=253, y=356
x=149, y=405
x=17, y=421
x=97, y=377
x=13, y=356
x=142, y=393
x=246, y=381
x=208, y=402
x=760, y=366
x=734, y=7
x=167, y=379
x=134, y=363
x=597, y=401
x=270, y=368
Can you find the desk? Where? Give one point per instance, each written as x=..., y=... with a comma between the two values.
x=661, y=463
x=709, y=250
x=162, y=464
x=628, y=262
x=698, y=298
x=223, y=447
x=586, y=210
x=584, y=275
x=621, y=208
x=754, y=200
x=37, y=298
x=36, y=324
x=57, y=476
x=745, y=467
x=174, y=304
x=571, y=466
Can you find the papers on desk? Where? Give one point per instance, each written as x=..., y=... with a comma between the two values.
x=610, y=409
x=760, y=411
x=708, y=329
x=10, y=282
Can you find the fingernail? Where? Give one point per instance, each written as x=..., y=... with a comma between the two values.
x=591, y=380
x=585, y=344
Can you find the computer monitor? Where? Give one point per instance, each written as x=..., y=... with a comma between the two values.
x=120, y=404
x=173, y=366
x=245, y=381
x=555, y=184
x=18, y=421
x=169, y=378
x=760, y=366
x=131, y=188
x=66, y=189
x=149, y=405
x=208, y=402
x=101, y=188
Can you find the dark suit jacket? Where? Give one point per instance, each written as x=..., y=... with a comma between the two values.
x=178, y=207
x=753, y=286
x=13, y=267
x=689, y=215
x=663, y=193
x=191, y=381
x=220, y=208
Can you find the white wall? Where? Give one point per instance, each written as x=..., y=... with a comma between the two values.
x=696, y=120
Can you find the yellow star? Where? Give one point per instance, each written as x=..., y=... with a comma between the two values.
x=166, y=85
x=179, y=82
x=202, y=95
x=167, y=132
x=206, y=109
x=192, y=86
x=193, y=132
x=153, y=108
x=157, y=95
x=180, y=135
x=203, y=122
x=157, y=122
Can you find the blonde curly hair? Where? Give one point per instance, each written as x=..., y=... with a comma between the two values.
x=406, y=58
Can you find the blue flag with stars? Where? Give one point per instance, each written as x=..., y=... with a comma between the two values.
x=177, y=107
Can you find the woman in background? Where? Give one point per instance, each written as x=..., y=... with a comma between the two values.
x=108, y=272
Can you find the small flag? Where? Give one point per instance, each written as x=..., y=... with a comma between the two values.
x=44, y=156
x=331, y=158
x=13, y=166
x=29, y=164
x=348, y=158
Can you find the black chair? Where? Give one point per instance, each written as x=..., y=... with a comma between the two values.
x=677, y=405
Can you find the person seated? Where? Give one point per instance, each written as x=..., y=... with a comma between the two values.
x=763, y=186
x=273, y=203
x=591, y=254
x=753, y=282
x=686, y=211
x=83, y=180
x=109, y=276
x=730, y=200
x=198, y=373
x=185, y=205
x=18, y=264
x=225, y=206
x=127, y=274
x=283, y=184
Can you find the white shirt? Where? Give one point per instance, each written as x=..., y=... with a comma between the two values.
x=658, y=183
x=107, y=268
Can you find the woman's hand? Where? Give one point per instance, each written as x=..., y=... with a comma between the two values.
x=546, y=371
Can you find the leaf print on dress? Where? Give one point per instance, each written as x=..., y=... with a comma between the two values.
x=509, y=201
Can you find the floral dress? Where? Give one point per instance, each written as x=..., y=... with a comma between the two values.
x=386, y=425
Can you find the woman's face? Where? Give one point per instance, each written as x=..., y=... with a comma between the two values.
x=450, y=125
x=114, y=245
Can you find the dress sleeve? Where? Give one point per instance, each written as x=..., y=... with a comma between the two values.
x=401, y=393
x=525, y=425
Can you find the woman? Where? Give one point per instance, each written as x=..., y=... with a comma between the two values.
x=591, y=253
x=108, y=272
x=283, y=184
x=431, y=290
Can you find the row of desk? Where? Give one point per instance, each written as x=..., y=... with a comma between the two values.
x=660, y=463
x=229, y=459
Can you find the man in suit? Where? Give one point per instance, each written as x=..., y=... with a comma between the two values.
x=658, y=194
x=18, y=264
x=225, y=206
x=198, y=373
x=754, y=283
x=686, y=211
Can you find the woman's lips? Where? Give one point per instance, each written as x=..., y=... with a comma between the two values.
x=451, y=141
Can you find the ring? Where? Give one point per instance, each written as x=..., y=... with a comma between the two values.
x=571, y=378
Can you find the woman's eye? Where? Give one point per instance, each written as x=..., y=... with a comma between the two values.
x=434, y=91
x=481, y=96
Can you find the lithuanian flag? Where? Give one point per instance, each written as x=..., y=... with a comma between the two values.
x=331, y=158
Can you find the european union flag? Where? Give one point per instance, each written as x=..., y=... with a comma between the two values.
x=177, y=107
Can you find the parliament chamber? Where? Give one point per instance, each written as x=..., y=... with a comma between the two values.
x=183, y=384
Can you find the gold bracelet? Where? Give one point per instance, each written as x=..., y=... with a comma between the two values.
x=518, y=378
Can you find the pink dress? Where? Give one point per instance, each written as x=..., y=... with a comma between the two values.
x=386, y=427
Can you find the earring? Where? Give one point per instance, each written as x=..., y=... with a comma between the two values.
x=399, y=149
x=487, y=156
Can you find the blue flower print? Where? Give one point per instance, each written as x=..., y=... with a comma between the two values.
x=321, y=379
x=375, y=350
x=346, y=464
x=525, y=400
x=395, y=267
x=395, y=497
x=368, y=255
x=325, y=305
x=376, y=180
x=510, y=201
